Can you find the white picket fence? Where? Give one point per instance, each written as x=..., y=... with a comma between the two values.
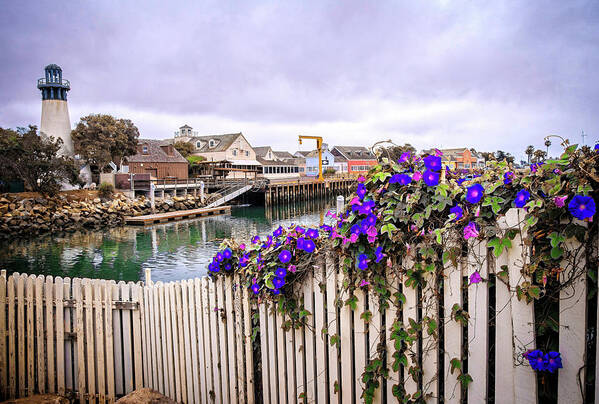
x=191, y=340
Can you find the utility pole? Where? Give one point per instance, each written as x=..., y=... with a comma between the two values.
x=583, y=136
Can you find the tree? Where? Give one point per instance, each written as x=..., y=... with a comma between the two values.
x=539, y=155
x=529, y=152
x=501, y=155
x=185, y=148
x=100, y=139
x=393, y=153
x=35, y=160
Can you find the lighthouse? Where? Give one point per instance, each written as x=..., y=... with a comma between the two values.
x=55, y=111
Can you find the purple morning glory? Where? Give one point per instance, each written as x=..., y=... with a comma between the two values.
x=474, y=193
x=278, y=283
x=371, y=220
x=255, y=288
x=285, y=256
x=243, y=261
x=404, y=157
x=276, y=292
x=309, y=246
x=227, y=267
x=361, y=191
x=458, y=211
x=219, y=256
x=431, y=178
x=582, y=207
x=553, y=361
x=536, y=359
x=378, y=254
x=227, y=253
x=363, y=261
x=312, y=233
x=355, y=229
x=470, y=231
x=433, y=163
x=300, y=230
x=278, y=232
x=280, y=272
x=521, y=198
x=300, y=243
x=255, y=240
x=508, y=177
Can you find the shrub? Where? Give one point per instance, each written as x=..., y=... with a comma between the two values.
x=105, y=190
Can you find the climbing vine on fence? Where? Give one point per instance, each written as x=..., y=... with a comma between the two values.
x=414, y=208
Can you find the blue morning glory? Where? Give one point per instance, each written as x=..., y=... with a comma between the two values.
x=255, y=288
x=361, y=191
x=278, y=232
x=474, y=193
x=433, y=163
x=431, y=178
x=363, y=261
x=553, y=361
x=285, y=256
x=521, y=198
x=280, y=272
x=536, y=359
x=278, y=283
x=312, y=233
x=582, y=207
x=309, y=246
x=458, y=211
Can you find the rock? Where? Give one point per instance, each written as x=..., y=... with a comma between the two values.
x=39, y=399
x=145, y=396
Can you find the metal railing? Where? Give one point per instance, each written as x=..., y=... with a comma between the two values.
x=60, y=82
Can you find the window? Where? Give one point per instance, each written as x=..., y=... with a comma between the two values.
x=198, y=145
x=247, y=153
x=212, y=143
x=144, y=149
x=235, y=152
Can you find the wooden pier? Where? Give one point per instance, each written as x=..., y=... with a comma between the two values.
x=306, y=190
x=176, y=215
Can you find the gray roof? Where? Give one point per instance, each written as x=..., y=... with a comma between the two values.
x=303, y=152
x=264, y=162
x=354, y=152
x=155, y=153
x=223, y=142
x=261, y=150
x=283, y=154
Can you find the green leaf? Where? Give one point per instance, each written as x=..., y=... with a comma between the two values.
x=556, y=252
x=456, y=364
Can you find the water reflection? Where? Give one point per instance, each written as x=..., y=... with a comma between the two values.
x=173, y=250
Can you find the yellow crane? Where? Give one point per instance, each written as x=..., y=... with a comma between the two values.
x=319, y=148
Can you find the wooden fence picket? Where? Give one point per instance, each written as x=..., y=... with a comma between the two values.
x=40, y=354
x=320, y=336
x=49, y=309
x=3, y=334
x=29, y=324
x=410, y=311
x=266, y=365
x=452, y=297
x=98, y=306
x=391, y=313
x=332, y=325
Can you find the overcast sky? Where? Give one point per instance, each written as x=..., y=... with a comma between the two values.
x=431, y=73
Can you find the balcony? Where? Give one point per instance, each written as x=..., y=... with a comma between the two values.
x=53, y=83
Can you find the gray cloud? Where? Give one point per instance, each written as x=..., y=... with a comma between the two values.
x=453, y=73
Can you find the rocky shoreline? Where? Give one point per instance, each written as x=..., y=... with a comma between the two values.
x=27, y=217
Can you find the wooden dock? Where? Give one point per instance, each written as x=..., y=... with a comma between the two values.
x=176, y=215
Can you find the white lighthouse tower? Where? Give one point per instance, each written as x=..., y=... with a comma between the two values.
x=55, y=111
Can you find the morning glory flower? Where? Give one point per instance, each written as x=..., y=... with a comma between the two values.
x=521, y=198
x=285, y=256
x=300, y=243
x=404, y=157
x=394, y=179
x=300, y=230
x=474, y=193
x=371, y=220
x=278, y=283
x=433, y=163
x=355, y=229
x=278, y=232
x=255, y=288
x=475, y=277
x=276, y=291
x=431, y=178
x=364, y=283
x=535, y=359
x=582, y=207
x=227, y=253
x=378, y=254
x=417, y=176
x=292, y=268
x=220, y=256
x=309, y=246
x=507, y=177
x=242, y=246
x=553, y=361
x=361, y=178
x=255, y=240
x=243, y=261
x=470, y=231
x=458, y=211
x=363, y=261
x=597, y=147
x=280, y=272
x=227, y=267
x=366, y=207
x=560, y=201
x=371, y=233
x=361, y=191
x=312, y=233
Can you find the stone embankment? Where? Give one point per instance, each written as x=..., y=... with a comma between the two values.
x=27, y=217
